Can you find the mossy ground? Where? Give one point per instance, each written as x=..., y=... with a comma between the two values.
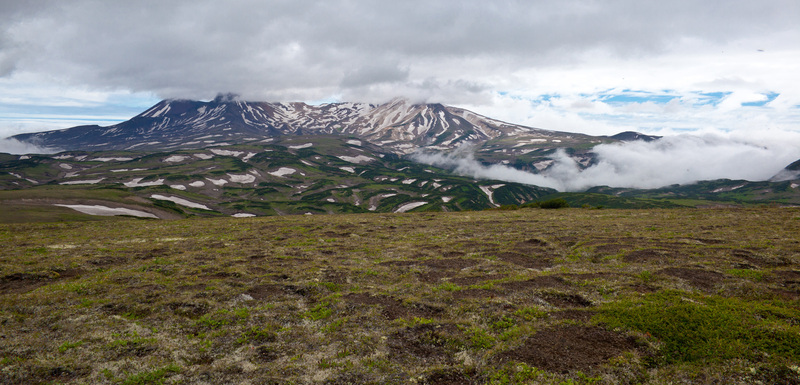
x=611, y=296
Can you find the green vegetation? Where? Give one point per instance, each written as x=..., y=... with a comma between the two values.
x=698, y=328
x=568, y=296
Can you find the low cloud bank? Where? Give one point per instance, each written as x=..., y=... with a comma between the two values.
x=682, y=159
x=13, y=146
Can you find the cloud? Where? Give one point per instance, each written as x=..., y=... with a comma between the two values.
x=13, y=146
x=465, y=53
x=682, y=159
x=277, y=49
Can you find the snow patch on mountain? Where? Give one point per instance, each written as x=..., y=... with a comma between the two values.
x=246, y=178
x=175, y=159
x=283, y=171
x=180, y=201
x=356, y=159
x=137, y=182
x=409, y=206
x=221, y=152
x=217, y=182
x=90, y=181
x=107, y=211
x=112, y=159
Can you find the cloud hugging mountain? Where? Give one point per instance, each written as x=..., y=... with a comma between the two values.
x=434, y=133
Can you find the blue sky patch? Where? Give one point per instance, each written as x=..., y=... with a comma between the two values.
x=634, y=96
x=710, y=98
x=760, y=103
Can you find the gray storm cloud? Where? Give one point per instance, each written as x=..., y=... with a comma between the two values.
x=285, y=50
x=682, y=159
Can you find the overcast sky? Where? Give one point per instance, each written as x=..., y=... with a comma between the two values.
x=598, y=67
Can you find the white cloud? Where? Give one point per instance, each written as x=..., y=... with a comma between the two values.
x=13, y=146
x=682, y=159
x=464, y=53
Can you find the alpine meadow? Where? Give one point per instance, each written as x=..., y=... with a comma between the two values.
x=347, y=192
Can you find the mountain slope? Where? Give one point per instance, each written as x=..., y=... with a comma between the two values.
x=397, y=126
x=315, y=174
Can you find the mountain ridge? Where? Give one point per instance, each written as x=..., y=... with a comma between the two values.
x=398, y=125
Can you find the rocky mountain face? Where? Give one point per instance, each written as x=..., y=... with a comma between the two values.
x=398, y=126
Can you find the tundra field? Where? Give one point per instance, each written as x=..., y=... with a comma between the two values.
x=530, y=296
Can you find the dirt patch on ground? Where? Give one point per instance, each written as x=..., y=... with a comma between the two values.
x=591, y=276
x=532, y=246
x=427, y=343
x=610, y=249
x=466, y=281
x=449, y=263
x=393, y=308
x=760, y=260
x=529, y=261
x=699, y=278
x=565, y=300
x=646, y=256
x=789, y=282
x=453, y=254
x=574, y=314
x=562, y=349
x=545, y=281
x=450, y=377
x=272, y=291
x=399, y=263
x=286, y=262
x=443, y=268
x=434, y=276
x=189, y=309
x=475, y=293
x=336, y=276
x=20, y=283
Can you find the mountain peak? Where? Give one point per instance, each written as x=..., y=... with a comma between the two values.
x=226, y=97
x=399, y=125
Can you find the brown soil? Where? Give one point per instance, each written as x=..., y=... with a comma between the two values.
x=565, y=300
x=759, y=260
x=19, y=283
x=532, y=246
x=789, y=282
x=453, y=254
x=449, y=263
x=427, y=343
x=190, y=310
x=450, y=377
x=574, y=314
x=434, y=276
x=562, y=349
x=610, y=249
x=699, y=278
x=545, y=281
x=337, y=277
x=475, y=293
x=466, y=281
x=591, y=276
x=393, y=308
x=529, y=261
x=398, y=263
x=646, y=256
x=266, y=292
